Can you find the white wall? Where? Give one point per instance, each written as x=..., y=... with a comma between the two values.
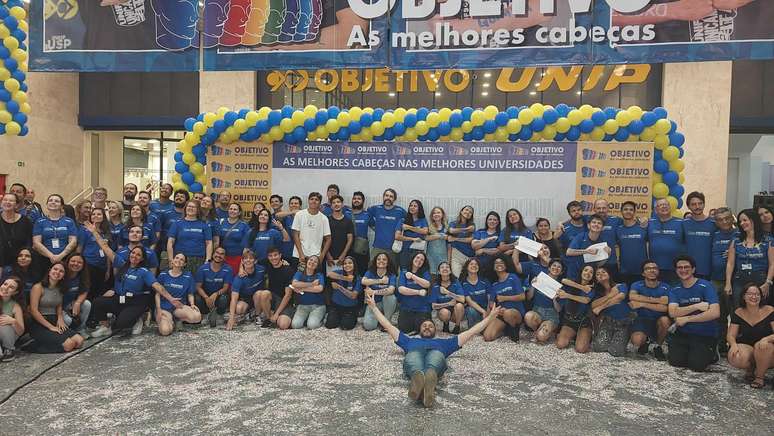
x=755, y=154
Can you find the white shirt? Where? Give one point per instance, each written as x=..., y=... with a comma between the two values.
x=311, y=229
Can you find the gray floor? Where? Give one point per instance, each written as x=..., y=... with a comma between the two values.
x=204, y=381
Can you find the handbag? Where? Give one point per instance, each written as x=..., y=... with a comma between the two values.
x=360, y=246
x=420, y=245
x=397, y=246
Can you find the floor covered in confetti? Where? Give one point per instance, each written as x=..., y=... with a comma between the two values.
x=203, y=381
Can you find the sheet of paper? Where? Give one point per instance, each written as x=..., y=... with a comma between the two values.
x=528, y=246
x=601, y=253
x=546, y=285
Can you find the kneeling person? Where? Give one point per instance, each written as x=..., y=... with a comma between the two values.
x=244, y=289
x=650, y=298
x=180, y=285
x=280, y=275
x=213, y=280
x=308, y=286
x=346, y=289
x=507, y=292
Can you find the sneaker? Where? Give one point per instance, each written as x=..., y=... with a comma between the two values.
x=212, y=318
x=8, y=355
x=84, y=334
x=266, y=323
x=658, y=353
x=456, y=329
x=446, y=328
x=137, y=329
x=428, y=395
x=513, y=332
x=643, y=349
x=250, y=316
x=417, y=385
x=259, y=320
x=101, y=331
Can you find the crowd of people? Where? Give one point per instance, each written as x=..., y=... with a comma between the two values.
x=685, y=290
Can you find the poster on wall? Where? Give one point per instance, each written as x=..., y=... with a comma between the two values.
x=114, y=35
x=244, y=170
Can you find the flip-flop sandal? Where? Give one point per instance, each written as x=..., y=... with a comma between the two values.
x=757, y=383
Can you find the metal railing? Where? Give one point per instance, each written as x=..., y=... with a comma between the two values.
x=81, y=195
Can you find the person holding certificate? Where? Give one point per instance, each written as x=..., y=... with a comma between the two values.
x=543, y=319
x=574, y=300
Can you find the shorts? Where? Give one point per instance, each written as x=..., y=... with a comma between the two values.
x=547, y=314
x=247, y=299
x=288, y=311
x=649, y=326
x=576, y=322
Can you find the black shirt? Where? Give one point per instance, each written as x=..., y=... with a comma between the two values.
x=14, y=236
x=750, y=334
x=279, y=279
x=126, y=26
x=339, y=231
x=751, y=21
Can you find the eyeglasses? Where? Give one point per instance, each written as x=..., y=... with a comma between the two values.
x=684, y=267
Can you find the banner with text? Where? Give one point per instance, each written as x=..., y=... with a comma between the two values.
x=244, y=170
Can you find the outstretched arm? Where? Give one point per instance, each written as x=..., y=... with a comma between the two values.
x=464, y=337
x=391, y=329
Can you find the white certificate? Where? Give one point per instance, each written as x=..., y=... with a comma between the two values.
x=546, y=285
x=528, y=246
x=601, y=253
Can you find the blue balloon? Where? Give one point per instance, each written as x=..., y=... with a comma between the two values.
x=230, y=117
x=677, y=139
x=610, y=112
x=562, y=109
x=23, y=87
x=573, y=134
x=478, y=133
x=490, y=126
x=333, y=112
x=274, y=118
x=679, y=202
x=4, y=11
x=649, y=119
x=2, y=129
x=4, y=53
x=513, y=137
x=245, y=136
x=682, y=152
x=525, y=133
x=377, y=115
x=598, y=118
x=196, y=187
x=188, y=178
x=444, y=128
x=287, y=111
x=321, y=117
x=622, y=134
x=366, y=120
x=11, y=22
x=661, y=166
x=465, y=136
x=12, y=106
x=550, y=116
x=399, y=129
x=202, y=160
x=676, y=191
x=455, y=119
x=290, y=139
x=354, y=127
x=219, y=126
x=262, y=126
x=422, y=113
x=178, y=157
x=11, y=65
x=657, y=155
x=24, y=131
x=559, y=137
x=208, y=138
x=467, y=111
x=433, y=135
x=299, y=133
x=501, y=119
x=200, y=117
x=252, y=133
x=342, y=134
x=410, y=120
x=673, y=129
x=19, y=75
x=243, y=112
x=512, y=111
x=20, y=117
x=310, y=124
x=636, y=127
x=671, y=178
x=388, y=135
x=660, y=112
x=538, y=125
x=608, y=138
x=4, y=95
x=422, y=138
x=586, y=126
x=189, y=123
x=199, y=150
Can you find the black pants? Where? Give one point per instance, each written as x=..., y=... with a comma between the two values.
x=409, y=321
x=98, y=282
x=126, y=314
x=344, y=317
x=221, y=304
x=691, y=351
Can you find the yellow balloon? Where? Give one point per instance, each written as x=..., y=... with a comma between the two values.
x=610, y=127
x=526, y=117
x=286, y=125
x=13, y=128
x=222, y=111
x=648, y=134
x=660, y=190
x=252, y=118
x=536, y=137
x=672, y=202
x=377, y=128
x=623, y=118
x=355, y=113
x=466, y=127
x=366, y=135
x=11, y=43
x=411, y=134
x=681, y=178
x=241, y=126
x=24, y=66
x=4, y=32
x=585, y=137
x=180, y=186
x=4, y=74
x=199, y=128
x=310, y=111
x=209, y=119
x=5, y=117
x=477, y=118
x=388, y=120
x=597, y=134
x=661, y=142
x=587, y=110
x=445, y=113
x=176, y=178
x=202, y=179
x=433, y=119
x=298, y=118
x=489, y=137
x=490, y=112
x=633, y=138
x=275, y=133
x=548, y=132
x=25, y=108
x=563, y=125
x=370, y=111
x=182, y=145
x=192, y=138
x=19, y=54
x=456, y=134
x=189, y=158
x=18, y=12
x=400, y=114
x=332, y=126
x=537, y=109
x=513, y=126
x=23, y=25
x=343, y=119
x=196, y=169
x=671, y=153
x=265, y=139
x=422, y=128
x=663, y=126
x=635, y=112
x=575, y=116
x=321, y=132
x=263, y=112
x=12, y=85
x=657, y=178
x=501, y=134
x=677, y=165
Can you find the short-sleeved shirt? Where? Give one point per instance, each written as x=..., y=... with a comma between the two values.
x=569, y=231
x=414, y=303
x=509, y=287
x=169, y=217
x=666, y=241
x=581, y=241
x=191, y=237
x=609, y=235
x=311, y=231
x=619, y=311
x=482, y=234
x=721, y=240
x=393, y=281
x=134, y=281
x=509, y=237
x=661, y=290
x=447, y=346
x=462, y=247
x=178, y=287
x=698, y=243
x=532, y=270
x=279, y=279
x=437, y=297
x=340, y=228
x=261, y=241
x=122, y=256
x=632, y=241
x=310, y=298
x=92, y=253
x=250, y=284
x=421, y=223
x=573, y=307
x=72, y=290
x=288, y=246
x=342, y=300
x=211, y=280
x=214, y=227
x=232, y=235
x=148, y=234
x=752, y=259
x=54, y=234
x=701, y=291
x=221, y=214
x=360, y=221
x=115, y=235
x=384, y=221
x=161, y=210
x=478, y=292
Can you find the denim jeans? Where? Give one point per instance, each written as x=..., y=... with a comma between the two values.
x=85, y=311
x=473, y=316
x=422, y=360
x=310, y=314
x=387, y=306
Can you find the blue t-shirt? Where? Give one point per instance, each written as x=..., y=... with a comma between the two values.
x=421, y=223
x=755, y=259
x=384, y=221
x=392, y=282
x=148, y=235
x=446, y=346
x=482, y=234
x=632, y=241
x=287, y=246
x=573, y=307
x=701, y=291
x=264, y=240
x=609, y=235
x=178, y=287
x=514, y=235
x=54, y=234
x=122, y=256
x=221, y=214
x=214, y=227
x=161, y=210
x=169, y=217
x=360, y=221
x=463, y=247
x=94, y=255
x=661, y=290
x=213, y=281
x=575, y=264
x=248, y=285
x=154, y=220
x=508, y=288
x=342, y=300
x=532, y=270
x=721, y=240
x=72, y=290
x=309, y=298
x=32, y=213
x=698, y=243
x=569, y=231
x=437, y=297
x=478, y=292
x=232, y=235
x=134, y=281
x=619, y=311
x=414, y=303
x=327, y=210
x=115, y=235
x=29, y=279
x=666, y=241
x=190, y=237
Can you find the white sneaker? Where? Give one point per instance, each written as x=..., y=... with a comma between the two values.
x=137, y=329
x=101, y=331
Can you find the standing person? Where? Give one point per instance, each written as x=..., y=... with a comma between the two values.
x=308, y=285
x=280, y=277
x=698, y=229
x=411, y=232
x=180, y=285
x=448, y=298
x=233, y=232
x=99, y=198
x=179, y=200
x=581, y=243
x=11, y=316
x=137, y=217
x=34, y=207
x=257, y=208
x=725, y=235
x=23, y=207
x=82, y=211
x=346, y=288
x=460, y=237
x=287, y=218
x=507, y=293
x=275, y=202
x=513, y=230
x=263, y=237
x=115, y=215
x=75, y=303
x=161, y=208
x=612, y=306
x=437, y=250
x=665, y=240
x=543, y=319
x=476, y=290
x=15, y=230
x=425, y=360
x=567, y=230
x=751, y=338
x=650, y=298
x=209, y=217
x=413, y=294
x=311, y=233
x=48, y=327
x=545, y=236
x=224, y=204
x=750, y=258
x=485, y=242
x=130, y=192
x=190, y=236
x=342, y=233
x=380, y=281
x=693, y=305
x=213, y=281
x=97, y=262
x=360, y=246
x=610, y=223
x=384, y=219
x=54, y=236
x=327, y=208
x=767, y=218
x=632, y=241
x=151, y=218
x=574, y=301
x=245, y=289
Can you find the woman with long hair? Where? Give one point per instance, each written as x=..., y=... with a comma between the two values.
x=209, y=216
x=460, y=236
x=24, y=270
x=54, y=235
x=750, y=258
x=767, y=218
x=232, y=232
x=75, y=304
x=48, y=327
x=413, y=294
x=346, y=287
x=611, y=303
x=485, y=242
x=115, y=213
x=545, y=236
x=437, y=249
x=543, y=318
x=11, y=316
x=180, y=285
x=308, y=287
x=514, y=229
x=380, y=281
x=83, y=211
x=191, y=236
x=412, y=232
x=15, y=229
x=97, y=262
x=476, y=290
x=138, y=217
x=507, y=292
x=448, y=298
x=263, y=236
x=750, y=336
x=573, y=301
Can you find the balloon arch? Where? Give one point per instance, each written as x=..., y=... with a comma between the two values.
x=534, y=123
x=13, y=68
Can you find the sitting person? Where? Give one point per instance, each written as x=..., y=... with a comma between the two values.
x=48, y=327
x=308, y=286
x=448, y=298
x=380, y=281
x=507, y=292
x=11, y=317
x=245, y=290
x=413, y=290
x=180, y=285
x=543, y=319
x=346, y=289
x=650, y=298
x=750, y=336
x=280, y=275
x=425, y=360
x=611, y=305
x=476, y=291
x=573, y=303
x=213, y=282
x=77, y=287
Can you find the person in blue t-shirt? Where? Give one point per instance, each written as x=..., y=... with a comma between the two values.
x=151, y=218
x=180, y=285
x=346, y=288
x=213, y=281
x=96, y=260
x=384, y=219
x=414, y=294
x=287, y=217
x=448, y=298
x=224, y=204
x=567, y=230
x=580, y=246
x=486, y=242
x=574, y=301
x=632, y=240
x=514, y=228
x=121, y=257
x=750, y=258
x=698, y=230
x=174, y=214
x=693, y=304
x=245, y=290
x=360, y=246
x=115, y=215
x=207, y=212
x=650, y=299
x=137, y=217
x=476, y=291
x=665, y=240
x=263, y=236
x=460, y=236
x=543, y=319
x=609, y=224
x=507, y=292
x=725, y=235
x=54, y=236
x=425, y=360
x=75, y=305
x=412, y=231
x=232, y=232
x=612, y=306
x=190, y=236
x=381, y=282
x=308, y=286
